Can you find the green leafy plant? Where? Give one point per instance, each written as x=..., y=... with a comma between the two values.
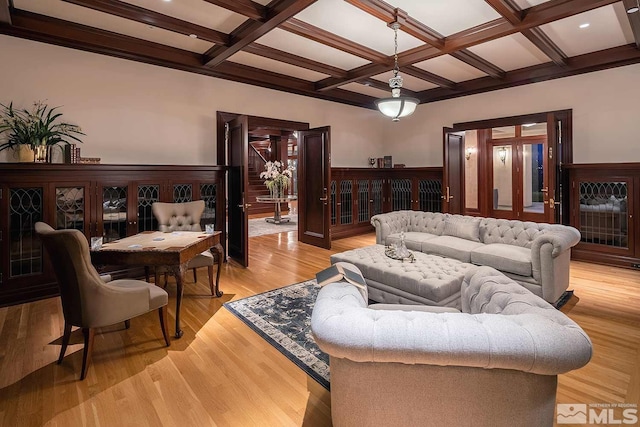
x=36, y=127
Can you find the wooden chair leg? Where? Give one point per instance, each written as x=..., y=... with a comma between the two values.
x=88, y=350
x=146, y=273
x=127, y=323
x=166, y=279
x=65, y=341
x=164, y=324
x=195, y=276
x=210, y=270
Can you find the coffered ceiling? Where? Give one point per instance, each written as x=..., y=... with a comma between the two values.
x=342, y=50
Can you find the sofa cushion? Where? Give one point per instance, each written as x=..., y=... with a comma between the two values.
x=467, y=228
x=451, y=247
x=416, y=307
x=512, y=259
x=412, y=239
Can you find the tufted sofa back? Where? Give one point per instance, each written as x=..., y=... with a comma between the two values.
x=511, y=232
x=178, y=216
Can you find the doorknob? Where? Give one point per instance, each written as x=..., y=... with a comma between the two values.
x=325, y=198
x=447, y=196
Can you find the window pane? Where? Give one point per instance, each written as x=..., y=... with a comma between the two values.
x=503, y=132
x=534, y=129
x=502, y=178
x=533, y=178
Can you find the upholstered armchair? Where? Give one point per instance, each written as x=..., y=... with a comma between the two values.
x=87, y=301
x=184, y=217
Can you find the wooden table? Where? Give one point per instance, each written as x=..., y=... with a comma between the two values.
x=277, y=217
x=155, y=248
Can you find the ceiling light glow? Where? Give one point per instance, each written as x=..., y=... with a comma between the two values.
x=585, y=25
x=193, y=36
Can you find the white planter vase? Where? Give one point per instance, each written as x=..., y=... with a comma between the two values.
x=21, y=154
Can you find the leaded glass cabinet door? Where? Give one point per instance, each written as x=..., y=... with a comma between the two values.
x=147, y=195
x=208, y=192
x=113, y=212
x=25, y=252
x=72, y=207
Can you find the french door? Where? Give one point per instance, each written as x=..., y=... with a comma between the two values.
x=519, y=176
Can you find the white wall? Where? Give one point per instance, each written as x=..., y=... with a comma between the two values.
x=606, y=116
x=137, y=113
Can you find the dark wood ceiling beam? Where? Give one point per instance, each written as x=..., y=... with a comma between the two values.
x=299, y=61
x=481, y=64
x=387, y=13
x=596, y=61
x=354, y=75
x=634, y=20
x=247, y=8
x=535, y=16
x=5, y=14
x=546, y=45
x=149, y=17
x=507, y=10
x=427, y=76
x=247, y=34
x=512, y=13
x=46, y=29
x=319, y=35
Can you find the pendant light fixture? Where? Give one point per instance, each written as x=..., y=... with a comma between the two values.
x=397, y=106
x=634, y=9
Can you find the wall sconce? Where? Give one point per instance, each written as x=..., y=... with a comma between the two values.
x=468, y=152
x=502, y=154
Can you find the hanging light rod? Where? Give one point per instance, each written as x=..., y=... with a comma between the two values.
x=396, y=106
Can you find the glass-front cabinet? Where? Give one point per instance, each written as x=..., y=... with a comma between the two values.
x=105, y=201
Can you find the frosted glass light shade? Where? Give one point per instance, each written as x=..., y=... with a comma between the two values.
x=397, y=107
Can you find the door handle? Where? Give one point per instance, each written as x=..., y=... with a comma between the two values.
x=447, y=195
x=324, y=199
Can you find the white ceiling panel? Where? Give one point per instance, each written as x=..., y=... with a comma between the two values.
x=350, y=22
x=526, y=4
x=92, y=18
x=297, y=45
x=451, y=68
x=448, y=16
x=276, y=66
x=408, y=82
x=196, y=11
x=605, y=30
x=511, y=52
x=366, y=90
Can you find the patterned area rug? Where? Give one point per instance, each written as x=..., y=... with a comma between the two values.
x=260, y=227
x=283, y=318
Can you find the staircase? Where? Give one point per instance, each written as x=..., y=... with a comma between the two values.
x=257, y=187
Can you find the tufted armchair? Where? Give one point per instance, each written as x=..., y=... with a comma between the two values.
x=495, y=363
x=184, y=217
x=87, y=301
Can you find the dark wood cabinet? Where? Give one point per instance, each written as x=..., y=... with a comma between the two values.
x=604, y=207
x=357, y=194
x=108, y=201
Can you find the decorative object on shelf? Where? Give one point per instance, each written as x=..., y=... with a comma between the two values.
x=37, y=128
x=399, y=165
x=400, y=251
x=89, y=160
x=388, y=161
x=372, y=162
x=276, y=178
x=397, y=106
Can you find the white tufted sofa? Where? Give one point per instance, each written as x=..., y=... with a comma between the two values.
x=536, y=255
x=495, y=363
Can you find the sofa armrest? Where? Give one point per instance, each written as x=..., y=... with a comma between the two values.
x=344, y=328
x=389, y=223
x=562, y=240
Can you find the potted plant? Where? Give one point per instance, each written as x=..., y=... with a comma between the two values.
x=276, y=178
x=39, y=129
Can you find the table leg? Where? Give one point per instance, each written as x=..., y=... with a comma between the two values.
x=179, y=271
x=220, y=255
x=276, y=214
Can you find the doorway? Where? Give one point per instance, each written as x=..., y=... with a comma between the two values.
x=235, y=133
x=511, y=167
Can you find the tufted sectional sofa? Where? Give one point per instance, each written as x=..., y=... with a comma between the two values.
x=493, y=363
x=536, y=255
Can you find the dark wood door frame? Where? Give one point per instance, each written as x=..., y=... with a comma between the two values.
x=560, y=141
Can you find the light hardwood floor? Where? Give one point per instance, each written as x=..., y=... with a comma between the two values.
x=223, y=373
